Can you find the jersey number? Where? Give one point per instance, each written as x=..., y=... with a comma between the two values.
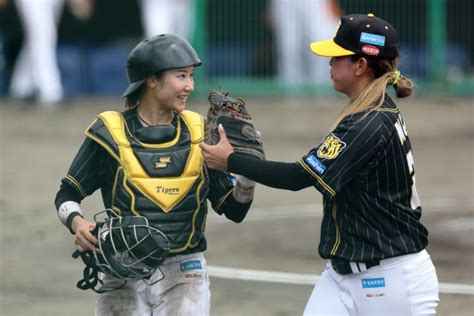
x=402, y=135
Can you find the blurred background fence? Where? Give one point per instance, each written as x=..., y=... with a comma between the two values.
x=238, y=42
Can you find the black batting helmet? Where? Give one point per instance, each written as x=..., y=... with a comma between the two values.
x=161, y=52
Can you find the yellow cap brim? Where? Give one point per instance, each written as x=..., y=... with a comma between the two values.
x=329, y=49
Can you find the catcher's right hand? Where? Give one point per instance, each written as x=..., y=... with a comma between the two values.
x=84, y=240
x=237, y=122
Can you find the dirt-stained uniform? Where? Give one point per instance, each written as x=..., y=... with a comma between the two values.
x=100, y=164
x=158, y=172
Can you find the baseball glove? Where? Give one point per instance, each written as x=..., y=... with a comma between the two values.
x=237, y=122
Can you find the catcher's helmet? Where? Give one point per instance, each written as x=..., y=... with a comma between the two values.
x=161, y=52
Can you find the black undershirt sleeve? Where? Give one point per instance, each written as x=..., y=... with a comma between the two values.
x=275, y=174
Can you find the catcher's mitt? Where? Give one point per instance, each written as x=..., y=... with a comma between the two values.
x=237, y=122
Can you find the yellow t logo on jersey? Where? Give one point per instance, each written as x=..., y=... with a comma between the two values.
x=331, y=147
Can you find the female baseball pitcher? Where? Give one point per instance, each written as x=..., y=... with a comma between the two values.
x=371, y=232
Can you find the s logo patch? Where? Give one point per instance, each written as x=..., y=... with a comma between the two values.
x=331, y=147
x=163, y=162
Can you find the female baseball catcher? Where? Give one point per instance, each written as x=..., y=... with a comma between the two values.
x=147, y=163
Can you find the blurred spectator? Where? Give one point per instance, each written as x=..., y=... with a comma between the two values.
x=297, y=23
x=167, y=16
x=36, y=75
x=236, y=39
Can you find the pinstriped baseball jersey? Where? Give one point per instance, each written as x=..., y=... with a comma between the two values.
x=365, y=171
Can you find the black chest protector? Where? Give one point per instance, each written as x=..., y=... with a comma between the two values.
x=165, y=181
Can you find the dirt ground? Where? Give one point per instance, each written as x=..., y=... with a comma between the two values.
x=38, y=275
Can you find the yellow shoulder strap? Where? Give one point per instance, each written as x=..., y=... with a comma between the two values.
x=114, y=122
x=195, y=122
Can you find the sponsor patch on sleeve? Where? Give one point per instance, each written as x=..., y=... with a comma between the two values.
x=331, y=147
x=315, y=164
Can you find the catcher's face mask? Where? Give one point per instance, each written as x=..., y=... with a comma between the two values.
x=128, y=249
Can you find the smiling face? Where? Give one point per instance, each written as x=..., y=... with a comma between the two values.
x=172, y=91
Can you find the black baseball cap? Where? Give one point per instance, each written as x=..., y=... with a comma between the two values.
x=360, y=34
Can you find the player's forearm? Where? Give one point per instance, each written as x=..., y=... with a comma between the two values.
x=68, y=212
x=244, y=190
x=67, y=204
x=234, y=210
x=280, y=175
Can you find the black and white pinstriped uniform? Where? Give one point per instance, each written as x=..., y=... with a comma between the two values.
x=365, y=171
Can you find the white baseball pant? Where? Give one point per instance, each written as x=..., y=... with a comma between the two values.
x=405, y=285
x=183, y=291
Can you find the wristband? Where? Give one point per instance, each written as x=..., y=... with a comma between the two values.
x=67, y=211
x=244, y=190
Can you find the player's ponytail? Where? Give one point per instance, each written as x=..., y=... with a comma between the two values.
x=385, y=73
x=404, y=87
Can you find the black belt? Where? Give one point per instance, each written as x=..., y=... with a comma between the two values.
x=348, y=267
